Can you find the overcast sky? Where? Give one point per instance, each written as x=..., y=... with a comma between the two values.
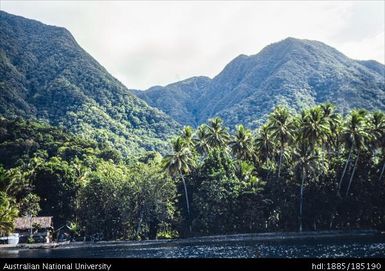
x=155, y=43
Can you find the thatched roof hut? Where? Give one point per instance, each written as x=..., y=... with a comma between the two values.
x=25, y=223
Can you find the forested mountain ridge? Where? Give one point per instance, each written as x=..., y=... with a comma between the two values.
x=46, y=75
x=298, y=73
x=180, y=100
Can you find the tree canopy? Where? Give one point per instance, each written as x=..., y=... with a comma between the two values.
x=316, y=169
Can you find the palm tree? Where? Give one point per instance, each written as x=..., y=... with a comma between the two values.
x=314, y=126
x=305, y=162
x=281, y=126
x=241, y=143
x=264, y=150
x=355, y=135
x=187, y=136
x=334, y=125
x=377, y=132
x=217, y=135
x=334, y=138
x=179, y=163
x=382, y=171
x=200, y=140
x=8, y=213
x=327, y=110
x=264, y=144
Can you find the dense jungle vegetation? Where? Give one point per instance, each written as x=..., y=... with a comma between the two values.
x=312, y=170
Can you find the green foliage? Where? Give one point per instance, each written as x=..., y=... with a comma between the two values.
x=56, y=183
x=8, y=213
x=215, y=193
x=74, y=229
x=46, y=75
x=135, y=201
x=21, y=140
x=167, y=234
x=29, y=205
x=76, y=179
x=100, y=200
x=30, y=240
x=292, y=72
x=312, y=170
x=308, y=171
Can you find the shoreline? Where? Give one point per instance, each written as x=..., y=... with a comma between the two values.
x=269, y=236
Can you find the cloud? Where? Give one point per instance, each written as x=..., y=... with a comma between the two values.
x=369, y=46
x=150, y=43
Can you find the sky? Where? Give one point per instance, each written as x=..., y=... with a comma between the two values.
x=147, y=43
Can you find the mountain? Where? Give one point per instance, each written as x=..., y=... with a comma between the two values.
x=179, y=100
x=299, y=73
x=46, y=75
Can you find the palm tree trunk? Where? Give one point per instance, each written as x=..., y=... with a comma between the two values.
x=187, y=200
x=301, y=201
x=280, y=162
x=351, y=177
x=382, y=172
x=344, y=172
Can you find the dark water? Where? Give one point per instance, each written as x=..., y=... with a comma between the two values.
x=221, y=247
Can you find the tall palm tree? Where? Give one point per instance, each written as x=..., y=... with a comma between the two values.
x=217, y=135
x=382, y=172
x=377, y=132
x=200, y=140
x=313, y=129
x=241, y=143
x=179, y=163
x=327, y=109
x=281, y=126
x=334, y=140
x=334, y=123
x=314, y=126
x=305, y=163
x=264, y=150
x=264, y=144
x=355, y=135
x=187, y=136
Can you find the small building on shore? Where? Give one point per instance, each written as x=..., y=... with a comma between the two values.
x=40, y=228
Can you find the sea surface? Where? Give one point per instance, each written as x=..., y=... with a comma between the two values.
x=269, y=245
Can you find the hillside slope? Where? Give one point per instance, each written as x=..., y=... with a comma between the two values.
x=45, y=74
x=299, y=73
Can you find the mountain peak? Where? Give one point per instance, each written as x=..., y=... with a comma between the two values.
x=291, y=44
x=298, y=41
x=29, y=23
x=297, y=72
x=46, y=75
x=293, y=40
